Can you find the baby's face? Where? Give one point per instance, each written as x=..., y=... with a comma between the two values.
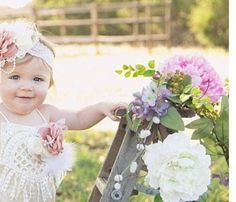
x=26, y=87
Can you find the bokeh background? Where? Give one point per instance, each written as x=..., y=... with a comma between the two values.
x=94, y=38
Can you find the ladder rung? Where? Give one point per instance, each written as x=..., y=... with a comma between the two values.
x=101, y=184
x=146, y=190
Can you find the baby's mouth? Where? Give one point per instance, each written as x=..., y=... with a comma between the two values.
x=24, y=97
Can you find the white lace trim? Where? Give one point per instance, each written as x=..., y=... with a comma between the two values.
x=22, y=184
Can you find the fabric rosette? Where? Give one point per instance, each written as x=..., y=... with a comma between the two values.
x=7, y=46
x=179, y=167
x=48, y=146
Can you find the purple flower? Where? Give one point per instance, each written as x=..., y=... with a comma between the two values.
x=151, y=102
x=202, y=73
x=223, y=178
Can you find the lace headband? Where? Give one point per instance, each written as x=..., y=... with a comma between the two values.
x=19, y=38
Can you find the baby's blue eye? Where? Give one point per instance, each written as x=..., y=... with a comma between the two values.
x=38, y=79
x=15, y=77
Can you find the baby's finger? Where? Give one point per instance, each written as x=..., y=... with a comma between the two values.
x=122, y=105
x=113, y=117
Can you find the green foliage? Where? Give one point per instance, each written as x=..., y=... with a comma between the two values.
x=222, y=124
x=203, y=128
x=215, y=129
x=138, y=70
x=158, y=198
x=209, y=22
x=172, y=120
x=180, y=14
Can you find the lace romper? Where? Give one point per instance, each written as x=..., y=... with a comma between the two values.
x=23, y=178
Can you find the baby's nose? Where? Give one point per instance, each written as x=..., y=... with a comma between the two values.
x=26, y=85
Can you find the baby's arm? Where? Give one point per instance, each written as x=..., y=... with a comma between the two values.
x=86, y=117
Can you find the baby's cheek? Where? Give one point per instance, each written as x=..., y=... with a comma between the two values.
x=42, y=91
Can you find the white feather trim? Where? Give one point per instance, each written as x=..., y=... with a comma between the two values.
x=62, y=162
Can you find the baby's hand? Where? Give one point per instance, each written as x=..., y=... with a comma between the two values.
x=109, y=109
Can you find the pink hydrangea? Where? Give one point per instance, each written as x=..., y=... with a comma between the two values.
x=202, y=73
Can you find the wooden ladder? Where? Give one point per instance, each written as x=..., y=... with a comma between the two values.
x=122, y=152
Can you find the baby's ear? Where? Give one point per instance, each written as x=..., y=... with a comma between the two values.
x=51, y=83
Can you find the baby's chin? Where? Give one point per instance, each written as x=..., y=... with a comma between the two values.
x=22, y=109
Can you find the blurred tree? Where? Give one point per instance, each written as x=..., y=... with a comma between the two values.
x=180, y=13
x=209, y=22
x=193, y=22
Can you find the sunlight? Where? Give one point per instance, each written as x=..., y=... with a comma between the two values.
x=14, y=3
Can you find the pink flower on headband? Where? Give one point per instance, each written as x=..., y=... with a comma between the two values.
x=7, y=47
x=52, y=137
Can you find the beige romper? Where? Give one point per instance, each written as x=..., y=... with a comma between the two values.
x=23, y=178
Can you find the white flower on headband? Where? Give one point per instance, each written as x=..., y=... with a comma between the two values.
x=17, y=39
x=22, y=34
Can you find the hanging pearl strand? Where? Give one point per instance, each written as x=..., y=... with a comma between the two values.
x=13, y=67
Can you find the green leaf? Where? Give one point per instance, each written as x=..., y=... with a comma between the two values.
x=141, y=72
x=127, y=74
x=129, y=122
x=136, y=124
x=125, y=67
x=135, y=74
x=203, y=198
x=222, y=124
x=195, y=91
x=131, y=68
x=158, y=198
x=199, y=123
x=202, y=132
x=222, y=127
x=210, y=144
x=118, y=71
x=187, y=80
x=187, y=88
x=224, y=104
x=209, y=107
x=196, y=103
x=172, y=120
x=205, y=99
x=203, y=126
x=148, y=73
x=184, y=97
x=174, y=99
x=140, y=67
x=151, y=64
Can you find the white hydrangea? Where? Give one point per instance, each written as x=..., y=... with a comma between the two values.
x=178, y=166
